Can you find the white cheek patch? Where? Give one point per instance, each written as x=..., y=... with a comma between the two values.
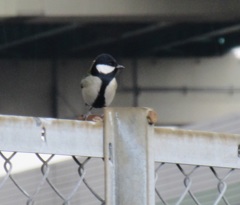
x=105, y=68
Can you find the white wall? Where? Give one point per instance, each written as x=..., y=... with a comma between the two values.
x=181, y=108
x=25, y=87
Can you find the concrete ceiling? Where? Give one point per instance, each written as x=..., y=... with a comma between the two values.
x=73, y=28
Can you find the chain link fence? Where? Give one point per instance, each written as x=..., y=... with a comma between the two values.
x=185, y=184
x=123, y=161
x=68, y=180
x=197, y=167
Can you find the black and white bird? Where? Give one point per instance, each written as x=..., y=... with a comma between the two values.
x=99, y=87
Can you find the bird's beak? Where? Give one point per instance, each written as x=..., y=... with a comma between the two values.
x=120, y=67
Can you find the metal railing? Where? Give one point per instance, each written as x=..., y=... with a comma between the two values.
x=205, y=165
x=123, y=161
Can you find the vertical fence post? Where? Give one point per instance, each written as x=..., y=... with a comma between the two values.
x=129, y=161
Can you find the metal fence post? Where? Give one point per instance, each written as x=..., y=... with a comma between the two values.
x=129, y=160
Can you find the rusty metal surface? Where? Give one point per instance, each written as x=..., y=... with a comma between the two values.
x=72, y=137
x=197, y=148
x=54, y=136
x=130, y=164
x=129, y=143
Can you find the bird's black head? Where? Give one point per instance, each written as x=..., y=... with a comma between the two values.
x=105, y=65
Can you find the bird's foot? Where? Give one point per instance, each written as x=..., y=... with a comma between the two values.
x=85, y=117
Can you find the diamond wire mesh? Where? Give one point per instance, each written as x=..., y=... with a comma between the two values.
x=75, y=180
x=175, y=184
x=188, y=185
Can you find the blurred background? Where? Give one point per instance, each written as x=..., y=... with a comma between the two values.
x=181, y=57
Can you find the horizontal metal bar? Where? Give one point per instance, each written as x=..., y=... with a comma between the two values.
x=84, y=138
x=124, y=36
x=197, y=38
x=174, y=10
x=39, y=36
x=51, y=136
x=184, y=89
x=196, y=148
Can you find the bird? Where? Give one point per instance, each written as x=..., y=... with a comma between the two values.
x=99, y=86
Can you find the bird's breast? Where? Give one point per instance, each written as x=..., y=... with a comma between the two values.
x=110, y=92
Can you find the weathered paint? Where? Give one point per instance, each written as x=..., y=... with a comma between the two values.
x=129, y=161
x=66, y=137
x=196, y=147
x=85, y=138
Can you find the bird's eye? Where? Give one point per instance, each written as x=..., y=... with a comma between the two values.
x=112, y=63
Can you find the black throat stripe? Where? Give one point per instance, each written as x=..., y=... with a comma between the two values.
x=100, y=100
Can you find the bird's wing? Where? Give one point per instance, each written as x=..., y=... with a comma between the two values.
x=90, y=88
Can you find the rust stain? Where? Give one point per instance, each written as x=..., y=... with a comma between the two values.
x=194, y=134
x=152, y=117
x=17, y=121
x=61, y=123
